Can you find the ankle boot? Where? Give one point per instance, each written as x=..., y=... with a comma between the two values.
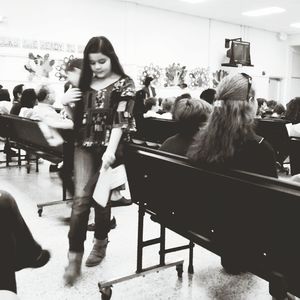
x=73, y=270
x=98, y=252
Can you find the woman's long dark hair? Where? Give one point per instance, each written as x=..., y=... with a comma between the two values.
x=95, y=45
x=229, y=126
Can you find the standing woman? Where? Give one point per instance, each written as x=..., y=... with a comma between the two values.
x=100, y=118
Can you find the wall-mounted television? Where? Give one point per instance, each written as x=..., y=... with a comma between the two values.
x=239, y=53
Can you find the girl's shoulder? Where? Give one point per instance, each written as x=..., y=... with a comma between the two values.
x=125, y=86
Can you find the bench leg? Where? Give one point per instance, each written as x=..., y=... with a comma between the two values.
x=37, y=164
x=162, y=254
x=139, y=266
x=191, y=258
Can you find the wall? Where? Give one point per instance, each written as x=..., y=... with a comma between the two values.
x=141, y=35
x=294, y=90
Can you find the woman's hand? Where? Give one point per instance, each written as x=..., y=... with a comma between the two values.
x=108, y=158
x=71, y=95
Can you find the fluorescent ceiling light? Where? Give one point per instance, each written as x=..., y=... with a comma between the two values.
x=264, y=11
x=193, y=1
x=296, y=25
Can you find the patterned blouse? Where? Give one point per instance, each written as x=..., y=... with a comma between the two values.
x=105, y=109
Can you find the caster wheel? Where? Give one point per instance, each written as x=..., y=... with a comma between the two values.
x=40, y=211
x=106, y=293
x=191, y=270
x=179, y=270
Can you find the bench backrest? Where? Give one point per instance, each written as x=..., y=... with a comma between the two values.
x=275, y=132
x=27, y=132
x=156, y=130
x=253, y=216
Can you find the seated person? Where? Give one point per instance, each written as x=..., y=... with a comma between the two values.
x=167, y=106
x=152, y=107
x=191, y=114
x=278, y=111
x=44, y=110
x=183, y=96
x=262, y=107
x=293, y=115
x=208, y=95
x=17, y=93
x=5, y=99
x=228, y=140
x=27, y=102
x=271, y=104
x=18, y=248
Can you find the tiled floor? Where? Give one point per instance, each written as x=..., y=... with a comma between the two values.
x=209, y=282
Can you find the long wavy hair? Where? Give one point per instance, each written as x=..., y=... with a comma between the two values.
x=96, y=45
x=230, y=124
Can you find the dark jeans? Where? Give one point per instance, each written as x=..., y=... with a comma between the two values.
x=18, y=248
x=86, y=164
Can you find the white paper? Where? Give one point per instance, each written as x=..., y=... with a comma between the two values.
x=109, y=179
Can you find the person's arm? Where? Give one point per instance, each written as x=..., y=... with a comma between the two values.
x=70, y=96
x=109, y=157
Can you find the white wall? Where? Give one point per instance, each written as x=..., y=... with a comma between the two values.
x=141, y=35
x=294, y=90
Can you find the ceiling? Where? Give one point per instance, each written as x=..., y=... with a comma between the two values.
x=231, y=11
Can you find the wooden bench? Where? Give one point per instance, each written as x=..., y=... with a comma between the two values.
x=27, y=135
x=155, y=131
x=251, y=221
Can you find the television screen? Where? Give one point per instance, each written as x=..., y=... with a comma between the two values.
x=240, y=53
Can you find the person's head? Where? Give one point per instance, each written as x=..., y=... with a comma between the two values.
x=99, y=60
x=183, y=96
x=293, y=110
x=151, y=104
x=231, y=122
x=17, y=92
x=208, y=95
x=262, y=106
x=279, y=110
x=191, y=114
x=45, y=94
x=262, y=102
x=147, y=81
x=73, y=71
x=167, y=104
x=271, y=104
x=4, y=95
x=28, y=98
